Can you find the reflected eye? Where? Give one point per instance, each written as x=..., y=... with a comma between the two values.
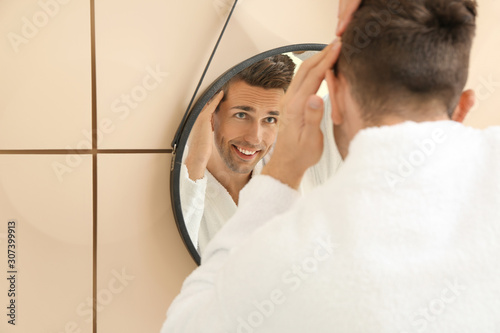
x=271, y=120
x=240, y=115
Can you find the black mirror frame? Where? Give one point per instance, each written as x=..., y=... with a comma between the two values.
x=187, y=124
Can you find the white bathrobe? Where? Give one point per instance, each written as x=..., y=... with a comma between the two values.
x=404, y=238
x=207, y=205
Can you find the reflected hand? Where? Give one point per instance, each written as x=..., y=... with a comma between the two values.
x=346, y=9
x=201, y=140
x=300, y=140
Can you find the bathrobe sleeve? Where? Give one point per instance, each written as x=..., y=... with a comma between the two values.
x=192, y=195
x=198, y=307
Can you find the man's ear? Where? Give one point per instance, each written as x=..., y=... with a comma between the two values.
x=332, y=82
x=466, y=102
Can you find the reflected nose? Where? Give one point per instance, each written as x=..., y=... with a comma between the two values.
x=253, y=134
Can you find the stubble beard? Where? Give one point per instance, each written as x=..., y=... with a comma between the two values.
x=227, y=155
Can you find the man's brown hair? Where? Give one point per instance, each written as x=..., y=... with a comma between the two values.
x=398, y=52
x=275, y=72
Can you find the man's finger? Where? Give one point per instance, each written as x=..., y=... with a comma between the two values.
x=312, y=137
x=316, y=75
x=314, y=111
x=346, y=9
x=213, y=102
x=305, y=68
x=314, y=78
x=216, y=98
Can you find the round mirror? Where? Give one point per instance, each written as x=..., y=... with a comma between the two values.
x=227, y=137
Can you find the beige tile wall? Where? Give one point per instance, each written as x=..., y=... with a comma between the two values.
x=149, y=57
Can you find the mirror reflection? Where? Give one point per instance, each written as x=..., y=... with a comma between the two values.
x=232, y=139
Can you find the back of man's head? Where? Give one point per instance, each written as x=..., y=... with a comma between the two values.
x=397, y=54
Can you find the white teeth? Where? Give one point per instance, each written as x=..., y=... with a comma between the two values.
x=246, y=152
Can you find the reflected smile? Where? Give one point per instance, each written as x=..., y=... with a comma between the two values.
x=245, y=154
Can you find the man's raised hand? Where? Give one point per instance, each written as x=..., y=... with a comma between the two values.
x=201, y=139
x=300, y=140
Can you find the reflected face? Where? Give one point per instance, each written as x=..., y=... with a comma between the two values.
x=246, y=125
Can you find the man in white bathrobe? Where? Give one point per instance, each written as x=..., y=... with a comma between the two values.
x=406, y=236
x=231, y=137
x=230, y=143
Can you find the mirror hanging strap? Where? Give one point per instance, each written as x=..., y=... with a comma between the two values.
x=184, y=119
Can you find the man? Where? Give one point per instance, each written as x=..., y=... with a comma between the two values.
x=406, y=236
x=229, y=140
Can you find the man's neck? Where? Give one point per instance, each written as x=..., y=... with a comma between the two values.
x=394, y=120
x=344, y=137
x=232, y=181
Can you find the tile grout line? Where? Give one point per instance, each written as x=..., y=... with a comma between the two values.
x=94, y=152
x=44, y=152
x=94, y=243
x=134, y=151
x=94, y=164
x=82, y=151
